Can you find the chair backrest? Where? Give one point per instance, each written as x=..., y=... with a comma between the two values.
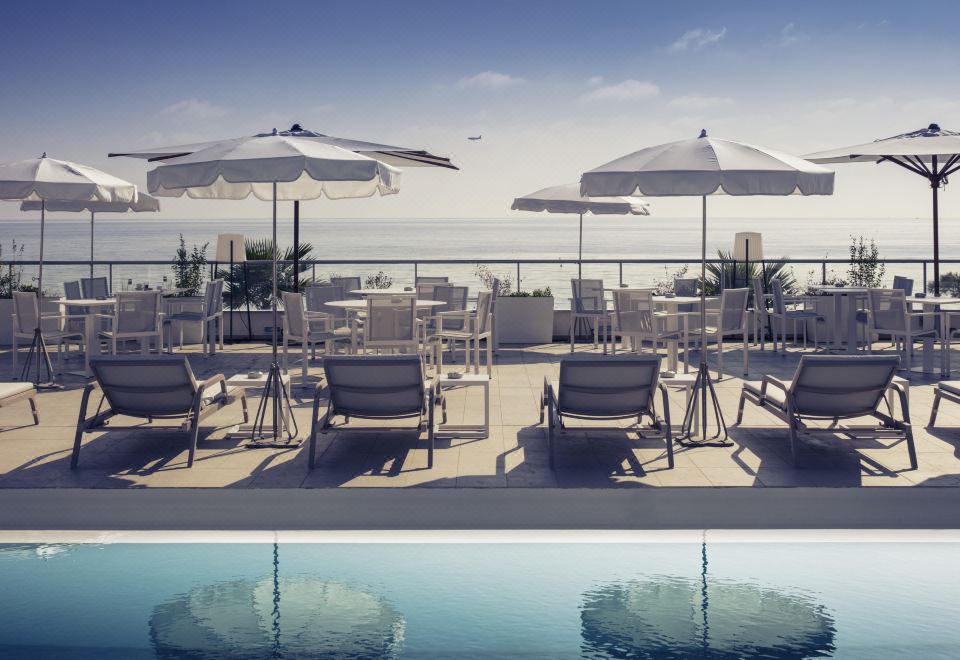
x=137, y=312
x=484, y=309
x=759, y=300
x=441, y=292
x=733, y=308
x=685, y=286
x=841, y=385
x=155, y=386
x=905, y=284
x=426, y=290
x=633, y=309
x=888, y=309
x=26, y=307
x=72, y=290
x=587, y=295
x=294, y=317
x=607, y=386
x=432, y=280
x=348, y=284
x=390, y=321
x=317, y=298
x=375, y=386
x=458, y=297
x=94, y=287
x=779, y=305
x=213, y=297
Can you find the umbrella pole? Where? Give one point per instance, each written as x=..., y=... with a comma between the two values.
x=580, y=252
x=38, y=347
x=91, y=243
x=296, y=245
x=935, y=185
x=274, y=390
x=703, y=394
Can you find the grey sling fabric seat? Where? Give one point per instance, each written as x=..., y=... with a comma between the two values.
x=834, y=387
x=379, y=387
x=593, y=387
x=152, y=387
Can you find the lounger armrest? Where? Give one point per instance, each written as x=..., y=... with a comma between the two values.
x=904, y=400
x=213, y=380
x=665, y=395
x=771, y=381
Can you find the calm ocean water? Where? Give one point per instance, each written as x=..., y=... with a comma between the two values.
x=532, y=237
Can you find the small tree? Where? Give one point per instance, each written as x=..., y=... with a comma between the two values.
x=11, y=271
x=379, y=281
x=487, y=278
x=189, y=266
x=866, y=269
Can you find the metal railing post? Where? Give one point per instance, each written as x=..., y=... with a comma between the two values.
x=518, y=276
x=924, y=276
x=415, y=273
x=110, y=272
x=823, y=272
x=621, y=273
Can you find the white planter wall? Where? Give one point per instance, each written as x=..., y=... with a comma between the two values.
x=524, y=320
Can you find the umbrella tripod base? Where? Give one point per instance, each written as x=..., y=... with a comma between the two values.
x=38, y=352
x=702, y=410
x=281, y=431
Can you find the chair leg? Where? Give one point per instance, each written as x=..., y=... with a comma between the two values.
x=794, y=443
x=911, y=448
x=551, y=441
x=573, y=321
x=194, y=436
x=303, y=366
x=743, y=400
x=935, y=409
x=746, y=352
x=33, y=409
x=14, y=349
x=719, y=356
x=490, y=357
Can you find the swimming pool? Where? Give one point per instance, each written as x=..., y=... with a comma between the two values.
x=679, y=596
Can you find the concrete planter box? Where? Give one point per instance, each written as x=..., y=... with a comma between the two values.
x=261, y=320
x=524, y=320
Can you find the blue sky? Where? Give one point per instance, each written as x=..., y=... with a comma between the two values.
x=554, y=87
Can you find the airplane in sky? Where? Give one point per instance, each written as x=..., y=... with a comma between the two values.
x=474, y=137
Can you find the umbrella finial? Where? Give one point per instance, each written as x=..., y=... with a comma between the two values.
x=44, y=155
x=703, y=133
x=296, y=128
x=274, y=132
x=934, y=128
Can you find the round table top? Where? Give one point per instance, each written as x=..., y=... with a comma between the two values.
x=383, y=292
x=839, y=289
x=362, y=304
x=88, y=302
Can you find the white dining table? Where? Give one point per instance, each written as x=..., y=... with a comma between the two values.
x=360, y=305
x=852, y=294
x=929, y=303
x=383, y=292
x=93, y=307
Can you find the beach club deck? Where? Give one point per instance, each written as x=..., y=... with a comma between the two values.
x=514, y=456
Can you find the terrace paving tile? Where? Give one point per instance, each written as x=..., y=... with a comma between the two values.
x=515, y=455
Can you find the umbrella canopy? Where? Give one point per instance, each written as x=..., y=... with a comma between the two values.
x=700, y=167
x=567, y=198
x=931, y=152
x=707, y=166
x=679, y=618
x=46, y=180
x=144, y=203
x=273, y=167
x=385, y=153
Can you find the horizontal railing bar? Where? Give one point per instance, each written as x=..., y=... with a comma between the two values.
x=421, y=262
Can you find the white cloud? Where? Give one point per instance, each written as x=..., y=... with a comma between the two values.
x=628, y=90
x=789, y=35
x=697, y=39
x=594, y=81
x=695, y=102
x=489, y=80
x=193, y=110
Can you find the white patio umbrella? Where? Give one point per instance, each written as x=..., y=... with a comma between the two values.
x=700, y=167
x=385, y=153
x=276, y=168
x=144, y=203
x=931, y=152
x=46, y=180
x=567, y=199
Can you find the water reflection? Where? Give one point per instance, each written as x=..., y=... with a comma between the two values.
x=277, y=617
x=672, y=617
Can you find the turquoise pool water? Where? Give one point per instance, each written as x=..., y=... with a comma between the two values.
x=472, y=600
